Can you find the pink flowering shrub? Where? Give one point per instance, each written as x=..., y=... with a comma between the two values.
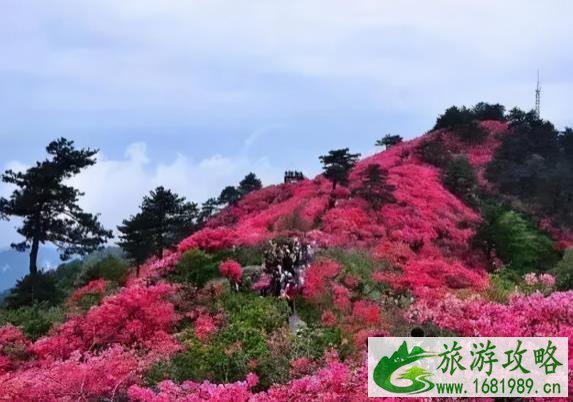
x=533, y=315
x=232, y=270
x=13, y=347
x=205, y=326
x=335, y=382
x=547, y=280
x=96, y=287
x=209, y=239
x=434, y=273
x=83, y=376
x=192, y=391
x=366, y=311
x=135, y=317
x=543, y=283
x=328, y=318
x=317, y=276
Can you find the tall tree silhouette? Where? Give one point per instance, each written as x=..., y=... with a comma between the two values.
x=135, y=239
x=389, y=140
x=337, y=164
x=49, y=208
x=250, y=183
x=229, y=196
x=374, y=186
x=165, y=219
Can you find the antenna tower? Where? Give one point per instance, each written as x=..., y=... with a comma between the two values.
x=538, y=97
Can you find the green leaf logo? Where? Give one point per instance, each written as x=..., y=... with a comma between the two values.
x=402, y=357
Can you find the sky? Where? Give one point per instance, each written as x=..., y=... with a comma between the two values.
x=193, y=95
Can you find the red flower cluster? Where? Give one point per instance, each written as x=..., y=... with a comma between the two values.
x=317, y=276
x=13, y=348
x=95, y=287
x=92, y=356
x=232, y=270
x=205, y=326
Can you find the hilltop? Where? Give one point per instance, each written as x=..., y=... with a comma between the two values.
x=448, y=251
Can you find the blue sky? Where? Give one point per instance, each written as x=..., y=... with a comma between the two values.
x=195, y=94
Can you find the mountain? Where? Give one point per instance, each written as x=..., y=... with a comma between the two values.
x=14, y=265
x=275, y=298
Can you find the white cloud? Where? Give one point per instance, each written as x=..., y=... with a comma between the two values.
x=187, y=57
x=115, y=188
x=5, y=268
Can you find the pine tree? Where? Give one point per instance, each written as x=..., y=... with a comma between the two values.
x=164, y=220
x=229, y=196
x=49, y=208
x=208, y=209
x=135, y=239
x=389, y=141
x=249, y=184
x=374, y=187
x=461, y=180
x=337, y=164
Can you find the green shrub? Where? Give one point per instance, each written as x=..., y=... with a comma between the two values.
x=67, y=274
x=502, y=286
x=464, y=122
x=434, y=152
x=229, y=355
x=308, y=312
x=360, y=265
x=313, y=341
x=196, y=267
x=243, y=255
x=34, y=288
x=262, y=313
x=110, y=268
x=520, y=245
x=461, y=180
x=35, y=321
x=564, y=271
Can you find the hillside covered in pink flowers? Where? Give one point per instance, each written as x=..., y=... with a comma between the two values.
x=216, y=318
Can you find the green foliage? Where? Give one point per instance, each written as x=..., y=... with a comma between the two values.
x=196, y=267
x=308, y=312
x=534, y=163
x=34, y=288
x=360, y=265
x=461, y=180
x=455, y=117
x=564, y=271
x=389, y=141
x=337, y=164
x=243, y=255
x=374, y=187
x=487, y=111
x=502, y=286
x=111, y=268
x=229, y=196
x=313, y=341
x=465, y=122
x=208, y=209
x=262, y=313
x=520, y=245
x=49, y=207
x=230, y=354
x=35, y=320
x=164, y=219
x=249, y=184
x=434, y=152
x=66, y=276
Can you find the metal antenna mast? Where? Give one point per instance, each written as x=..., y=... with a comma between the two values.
x=538, y=97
